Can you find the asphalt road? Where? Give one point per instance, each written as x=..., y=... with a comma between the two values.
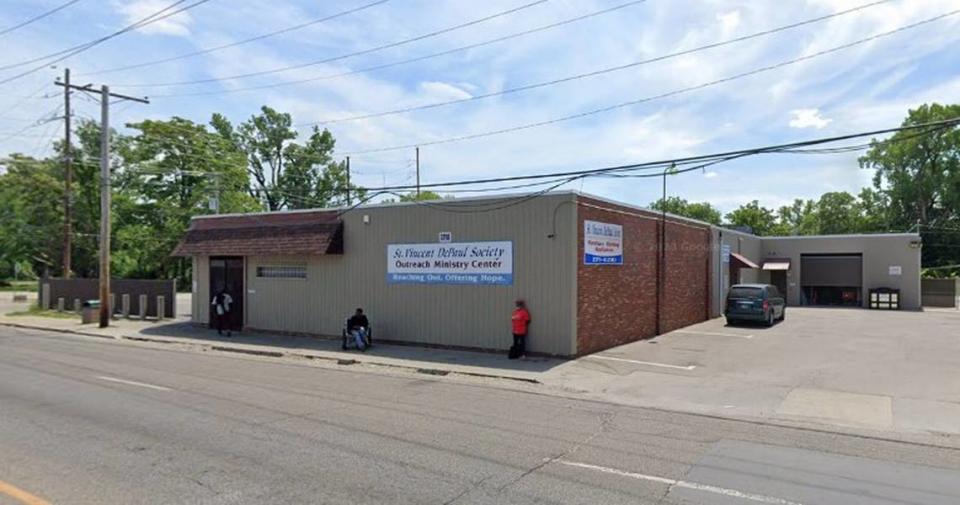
x=85, y=421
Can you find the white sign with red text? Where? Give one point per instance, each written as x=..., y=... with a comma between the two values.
x=602, y=243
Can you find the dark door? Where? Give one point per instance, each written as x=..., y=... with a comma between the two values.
x=226, y=273
x=831, y=279
x=779, y=279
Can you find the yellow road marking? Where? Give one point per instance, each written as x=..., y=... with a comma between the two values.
x=21, y=495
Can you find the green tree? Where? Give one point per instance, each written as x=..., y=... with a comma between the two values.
x=874, y=211
x=760, y=219
x=918, y=175
x=838, y=213
x=702, y=211
x=285, y=174
x=172, y=171
x=799, y=218
x=31, y=213
x=423, y=196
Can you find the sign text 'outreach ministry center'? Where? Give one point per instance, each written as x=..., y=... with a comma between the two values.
x=451, y=263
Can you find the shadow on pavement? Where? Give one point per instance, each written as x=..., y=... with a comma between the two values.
x=388, y=350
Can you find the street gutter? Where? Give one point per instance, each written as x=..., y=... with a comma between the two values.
x=243, y=349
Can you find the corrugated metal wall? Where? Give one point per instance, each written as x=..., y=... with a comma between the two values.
x=201, y=290
x=449, y=315
x=880, y=252
x=749, y=246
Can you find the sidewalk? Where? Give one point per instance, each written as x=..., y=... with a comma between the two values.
x=422, y=359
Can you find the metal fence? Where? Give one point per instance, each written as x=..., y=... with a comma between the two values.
x=940, y=292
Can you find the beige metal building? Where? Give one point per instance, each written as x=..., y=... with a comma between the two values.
x=446, y=273
x=293, y=286
x=830, y=270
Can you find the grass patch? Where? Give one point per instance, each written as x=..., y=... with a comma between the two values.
x=6, y=286
x=36, y=311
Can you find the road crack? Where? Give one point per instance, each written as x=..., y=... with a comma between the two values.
x=606, y=422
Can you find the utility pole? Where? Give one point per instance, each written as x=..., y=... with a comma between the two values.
x=67, y=180
x=348, y=182
x=105, y=95
x=418, y=173
x=105, y=206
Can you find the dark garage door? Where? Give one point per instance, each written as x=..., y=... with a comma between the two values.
x=831, y=279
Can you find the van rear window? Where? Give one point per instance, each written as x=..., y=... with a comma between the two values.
x=744, y=292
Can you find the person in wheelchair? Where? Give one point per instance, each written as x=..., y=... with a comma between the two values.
x=358, y=326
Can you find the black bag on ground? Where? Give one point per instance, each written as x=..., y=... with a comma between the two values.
x=514, y=352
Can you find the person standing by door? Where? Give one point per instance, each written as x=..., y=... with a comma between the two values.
x=520, y=320
x=221, y=306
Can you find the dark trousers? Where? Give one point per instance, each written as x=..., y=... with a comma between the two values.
x=223, y=323
x=520, y=343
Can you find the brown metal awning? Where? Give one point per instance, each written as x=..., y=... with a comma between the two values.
x=776, y=264
x=744, y=262
x=269, y=234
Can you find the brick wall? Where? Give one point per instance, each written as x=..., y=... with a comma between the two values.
x=618, y=304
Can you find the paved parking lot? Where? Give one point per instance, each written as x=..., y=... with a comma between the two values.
x=886, y=371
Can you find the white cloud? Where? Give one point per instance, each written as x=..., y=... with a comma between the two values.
x=438, y=91
x=729, y=21
x=808, y=118
x=177, y=24
x=862, y=88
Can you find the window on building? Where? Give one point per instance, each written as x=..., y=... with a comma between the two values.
x=282, y=272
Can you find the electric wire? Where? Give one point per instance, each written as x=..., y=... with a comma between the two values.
x=598, y=72
x=38, y=17
x=677, y=161
x=668, y=94
x=239, y=42
x=398, y=63
x=342, y=56
x=70, y=52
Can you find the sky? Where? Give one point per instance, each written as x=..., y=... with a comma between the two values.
x=867, y=86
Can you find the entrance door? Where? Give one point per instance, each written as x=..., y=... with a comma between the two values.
x=832, y=279
x=226, y=273
x=779, y=279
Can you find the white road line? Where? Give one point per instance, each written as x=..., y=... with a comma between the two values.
x=714, y=333
x=648, y=363
x=684, y=484
x=132, y=383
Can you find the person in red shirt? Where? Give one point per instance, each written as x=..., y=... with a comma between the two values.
x=520, y=322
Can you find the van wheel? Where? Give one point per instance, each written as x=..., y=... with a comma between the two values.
x=770, y=318
x=731, y=322
x=783, y=315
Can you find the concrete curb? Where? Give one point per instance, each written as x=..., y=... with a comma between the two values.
x=281, y=354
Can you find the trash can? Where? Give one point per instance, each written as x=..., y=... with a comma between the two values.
x=90, y=312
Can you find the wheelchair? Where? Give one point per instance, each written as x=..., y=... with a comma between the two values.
x=349, y=342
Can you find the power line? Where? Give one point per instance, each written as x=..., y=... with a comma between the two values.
x=78, y=46
x=595, y=73
x=668, y=94
x=38, y=17
x=23, y=100
x=410, y=60
x=42, y=120
x=344, y=56
x=70, y=52
x=241, y=42
x=677, y=161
